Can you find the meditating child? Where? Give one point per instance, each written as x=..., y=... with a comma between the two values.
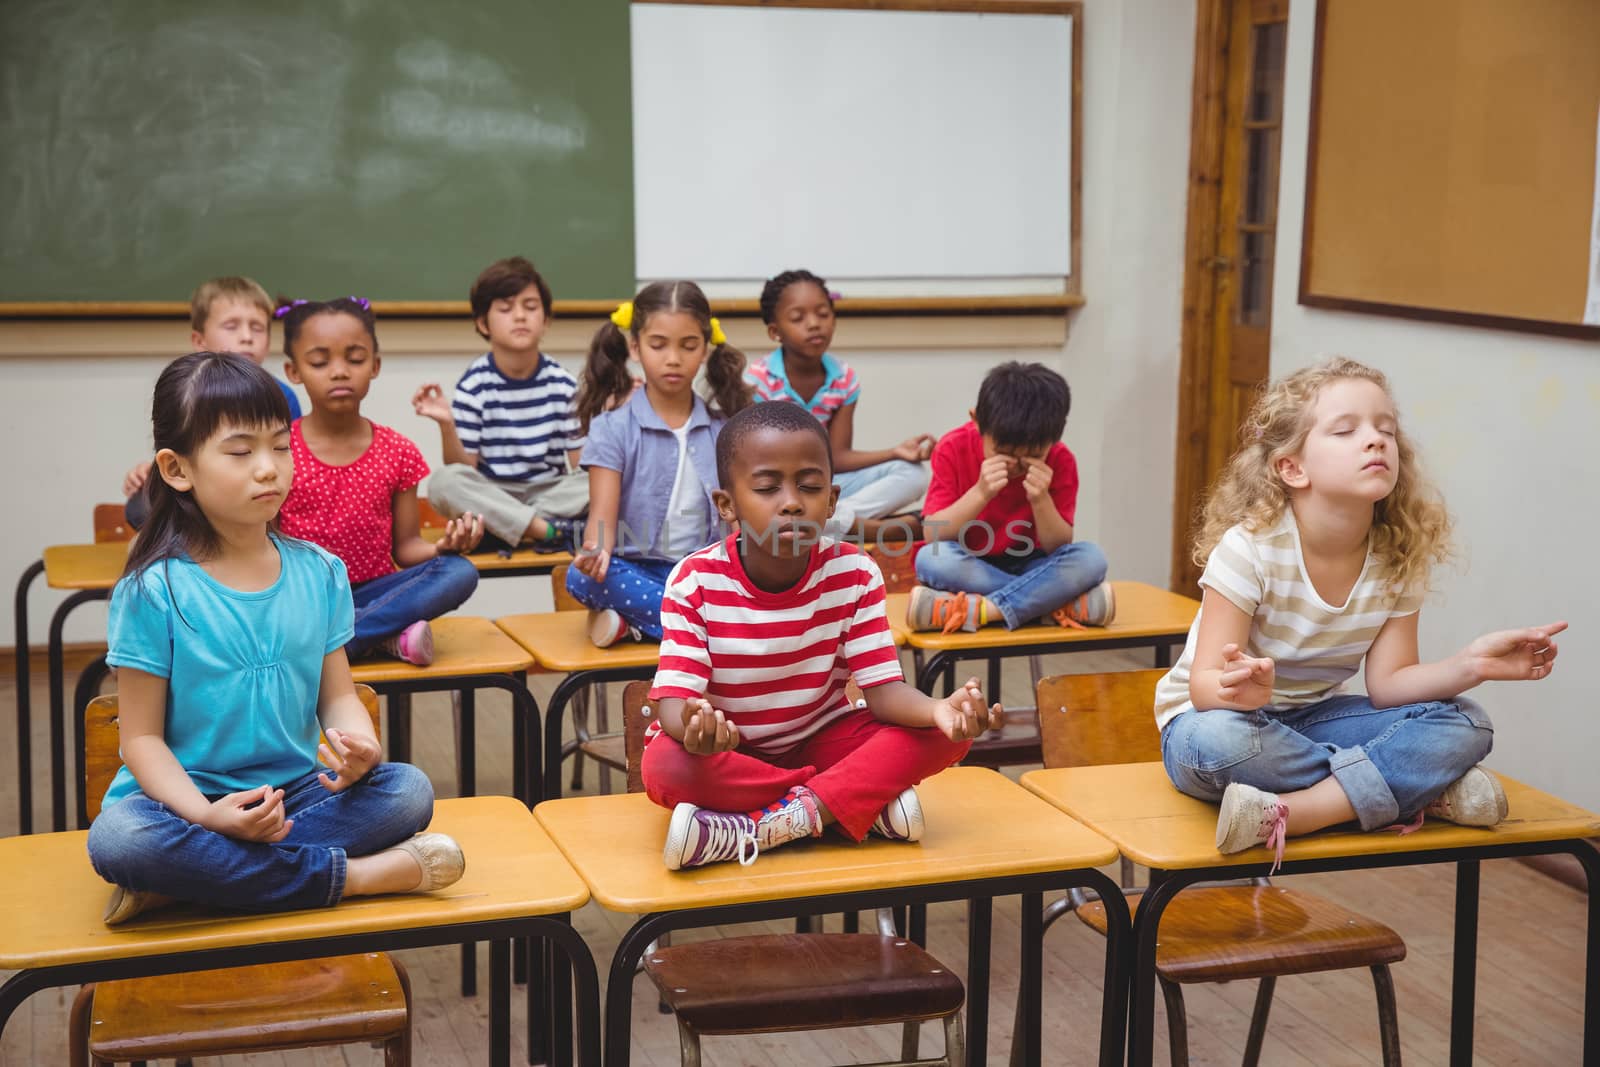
x=650, y=454
x=225, y=315
x=756, y=743
x=355, y=487
x=798, y=310
x=1317, y=541
x=510, y=432
x=998, y=519
x=228, y=639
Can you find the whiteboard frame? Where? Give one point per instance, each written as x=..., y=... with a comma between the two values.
x=981, y=294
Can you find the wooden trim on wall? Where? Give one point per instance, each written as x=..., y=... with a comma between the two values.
x=1045, y=304
x=1213, y=20
x=1575, y=330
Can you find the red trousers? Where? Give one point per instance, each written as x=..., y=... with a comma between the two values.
x=855, y=765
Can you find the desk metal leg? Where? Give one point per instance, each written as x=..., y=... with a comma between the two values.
x=24, y=701
x=1590, y=858
x=1464, y=971
x=980, y=916
x=466, y=709
x=1030, y=981
x=1142, y=1009
x=500, y=1003
x=58, y=699
x=399, y=739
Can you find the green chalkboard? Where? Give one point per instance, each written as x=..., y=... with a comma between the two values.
x=389, y=148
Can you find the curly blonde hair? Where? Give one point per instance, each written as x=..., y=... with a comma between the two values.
x=1410, y=526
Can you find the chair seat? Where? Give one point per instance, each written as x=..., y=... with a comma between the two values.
x=1219, y=933
x=779, y=982
x=297, y=1004
x=610, y=749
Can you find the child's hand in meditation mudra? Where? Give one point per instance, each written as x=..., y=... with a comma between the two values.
x=707, y=731
x=962, y=715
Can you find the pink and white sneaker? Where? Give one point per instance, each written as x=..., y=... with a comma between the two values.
x=414, y=644
x=607, y=627
x=1251, y=817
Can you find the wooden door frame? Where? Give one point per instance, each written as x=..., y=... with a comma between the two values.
x=1207, y=145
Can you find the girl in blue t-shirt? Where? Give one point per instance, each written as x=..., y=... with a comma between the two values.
x=650, y=453
x=228, y=640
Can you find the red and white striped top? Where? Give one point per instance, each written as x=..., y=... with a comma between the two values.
x=775, y=663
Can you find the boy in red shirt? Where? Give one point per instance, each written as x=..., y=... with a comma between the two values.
x=999, y=512
x=756, y=744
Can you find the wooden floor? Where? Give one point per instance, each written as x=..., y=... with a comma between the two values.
x=1530, y=986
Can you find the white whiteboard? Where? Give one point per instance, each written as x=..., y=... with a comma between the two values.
x=859, y=144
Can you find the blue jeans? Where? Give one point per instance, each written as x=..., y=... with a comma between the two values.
x=387, y=605
x=887, y=488
x=1024, y=588
x=139, y=843
x=633, y=589
x=1392, y=762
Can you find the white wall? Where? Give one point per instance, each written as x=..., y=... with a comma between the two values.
x=77, y=419
x=1507, y=426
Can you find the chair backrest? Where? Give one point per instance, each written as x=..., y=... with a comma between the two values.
x=111, y=523
x=564, y=600
x=101, y=743
x=427, y=517
x=1090, y=719
x=637, y=712
x=895, y=561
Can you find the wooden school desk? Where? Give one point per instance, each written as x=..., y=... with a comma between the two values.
x=985, y=837
x=559, y=642
x=516, y=885
x=1151, y=823
x=1147, y=617
x=90, y=571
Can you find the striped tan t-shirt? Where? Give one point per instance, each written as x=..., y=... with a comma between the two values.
x=1316, y=646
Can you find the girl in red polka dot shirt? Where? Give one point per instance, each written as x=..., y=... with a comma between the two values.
x=355, y=487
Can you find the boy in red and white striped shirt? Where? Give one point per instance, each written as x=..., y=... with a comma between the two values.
x=756, y=743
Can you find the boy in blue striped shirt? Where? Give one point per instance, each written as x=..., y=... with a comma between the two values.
x=510, y=434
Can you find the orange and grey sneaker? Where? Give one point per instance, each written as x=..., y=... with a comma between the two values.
x=934, y=609
x=1097, y=607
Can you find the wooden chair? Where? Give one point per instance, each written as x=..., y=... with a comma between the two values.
x=300, y=1004
x=783, y=983
x=111, y=523
x=1213, y=933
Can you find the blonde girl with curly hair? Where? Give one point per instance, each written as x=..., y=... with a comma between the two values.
x=1317, y=542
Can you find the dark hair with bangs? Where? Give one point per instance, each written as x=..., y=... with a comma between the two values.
x=780, y=415
x=196, y=396
x=502, y=280
x=1023, y=405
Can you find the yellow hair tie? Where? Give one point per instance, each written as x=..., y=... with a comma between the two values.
x=622, y=318
x=717, y=336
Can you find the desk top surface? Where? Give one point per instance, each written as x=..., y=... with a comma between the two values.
x=51, y=903
x=559, y=641
x=489, y=563
x=980, y=824
x=1142, y=611
x=463, y=645
x=97, y=566
x=1137, y=808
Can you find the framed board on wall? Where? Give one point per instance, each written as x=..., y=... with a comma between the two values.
x=1452, y=171
x=391, y=150
x=909, y=151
